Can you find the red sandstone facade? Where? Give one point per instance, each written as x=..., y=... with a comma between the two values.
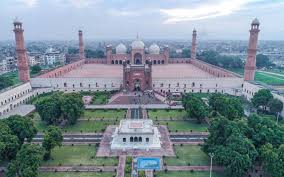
x=250, y=65
x=81, y=46
x=193, y=45
x=23, y=64
x=137, y=77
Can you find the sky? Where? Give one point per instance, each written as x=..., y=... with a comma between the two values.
x=151, y=19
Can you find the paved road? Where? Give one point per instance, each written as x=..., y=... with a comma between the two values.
x=126, y=106
x=187, y=138
x=96, y=138
x=74, y=138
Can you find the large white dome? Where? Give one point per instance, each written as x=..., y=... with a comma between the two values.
x=137, y=44
x=121, y=49
x=154, y=49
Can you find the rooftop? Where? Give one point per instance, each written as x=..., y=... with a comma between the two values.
x=136, y=126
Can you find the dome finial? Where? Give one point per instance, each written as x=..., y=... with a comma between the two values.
x=137, y=36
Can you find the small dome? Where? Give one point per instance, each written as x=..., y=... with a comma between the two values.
x=137, y=44
x=121, y=49
x=255, y=22
x=154, y=49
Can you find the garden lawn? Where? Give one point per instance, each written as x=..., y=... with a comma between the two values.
x=187, y=155
x=83, y=125
x=187, y=174
x=269, y=78
x=76, y=174
x=184, y=126
x=264, y=77
x=163, y=113
x=108, y=113
x=79, y=154
x=98, y=97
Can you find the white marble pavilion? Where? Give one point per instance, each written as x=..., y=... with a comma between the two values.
x=136, y=134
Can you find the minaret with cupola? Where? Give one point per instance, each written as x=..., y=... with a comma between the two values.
x=250, y=65
x=23, y=64
x=193, y=45
x=81, y=46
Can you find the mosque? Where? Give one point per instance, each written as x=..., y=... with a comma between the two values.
x=136, y=70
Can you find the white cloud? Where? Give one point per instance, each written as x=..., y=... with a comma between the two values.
x=29, y=3
x=129, y=13
x=77, y=3
x=221, y=8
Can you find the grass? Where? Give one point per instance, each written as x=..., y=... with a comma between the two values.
x=187, y=155
x=109, y=114
x=264, y=77
x=184, y=126
x=83, y=125
x=269, y=78
x=163, y=113
x=86, y=126
x=79, y=154
x=98, y=97
x=187, y=174
x=76, y=174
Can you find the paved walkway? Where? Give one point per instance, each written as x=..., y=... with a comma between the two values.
x=195, y=168
x=149, y=173
x=21, y=110
x=121, y=166
x=85, y=168
x=126, y=106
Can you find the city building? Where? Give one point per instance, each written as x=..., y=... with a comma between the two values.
x=54, y=57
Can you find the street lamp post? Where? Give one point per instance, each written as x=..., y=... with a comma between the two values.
x=211, y=156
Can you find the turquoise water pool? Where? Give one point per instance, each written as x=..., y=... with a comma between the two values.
x=148, y=163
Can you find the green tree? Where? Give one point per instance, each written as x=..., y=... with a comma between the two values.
x=27, y=161
x=261, y=98
x=5, y=82
x=53, y=137
x=263, y=61
x=72, y=107
x=227, y=106
x=49, y=109
x=22, y=127
x=275, y=106
x=195, y=107
x=216, y=59
x=273, y=160
x=35, y=69
x=186, y=53
x=230, y=146
x=264, y=130
x=9, y=143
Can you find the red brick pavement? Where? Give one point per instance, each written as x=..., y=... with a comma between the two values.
x=121, y=166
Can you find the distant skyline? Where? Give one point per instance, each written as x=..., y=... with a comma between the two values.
x=152, y=19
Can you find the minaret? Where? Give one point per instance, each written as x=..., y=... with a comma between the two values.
x=193, y=45
x=23, y=65
x=81, y=46
x=250, y=65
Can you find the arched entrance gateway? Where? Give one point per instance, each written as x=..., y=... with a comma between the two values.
x=137, y=59
x=137, y=85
